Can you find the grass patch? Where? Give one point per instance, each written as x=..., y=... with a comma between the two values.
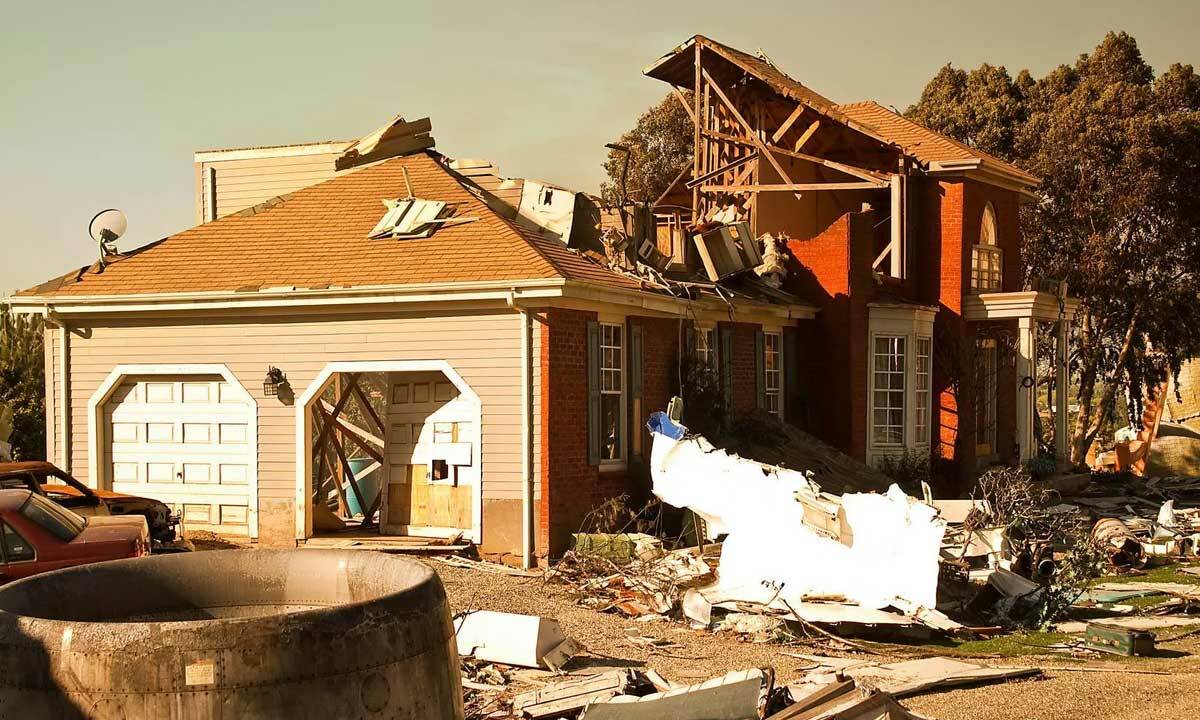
x=1015, y=644
x=1164, y=573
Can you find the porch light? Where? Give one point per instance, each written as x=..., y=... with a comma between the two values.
x=275, y=378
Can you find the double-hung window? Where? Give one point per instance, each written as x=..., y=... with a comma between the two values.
x=923, y=377
x=612, y=388
x=773, y=373
x=888, y=390
x=705, y=350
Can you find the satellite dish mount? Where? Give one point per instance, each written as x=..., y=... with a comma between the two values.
x=105, y=228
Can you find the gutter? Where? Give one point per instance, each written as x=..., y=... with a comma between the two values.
x=495, y=291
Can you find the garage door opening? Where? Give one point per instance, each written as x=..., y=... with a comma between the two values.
x=185, y=435
x=392, y=452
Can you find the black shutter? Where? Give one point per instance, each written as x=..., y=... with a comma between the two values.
x=793, y=407
x=689, y=340
x=635, y=361
x=726, y=362
x=593, y=381
x=760, y=370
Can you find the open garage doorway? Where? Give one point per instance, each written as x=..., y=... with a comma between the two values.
x=391, y=449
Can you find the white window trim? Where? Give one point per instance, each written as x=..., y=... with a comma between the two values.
x=911, y=322
x=780, y=391
x=603, y=319
x=714, y=348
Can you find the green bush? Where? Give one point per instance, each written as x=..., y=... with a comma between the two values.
x=22, y=382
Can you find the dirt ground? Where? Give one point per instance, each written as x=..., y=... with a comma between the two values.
x=1130, y=692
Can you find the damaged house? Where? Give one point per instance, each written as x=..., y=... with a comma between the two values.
x=486, y=374
x=927, y=339
x=371, y=331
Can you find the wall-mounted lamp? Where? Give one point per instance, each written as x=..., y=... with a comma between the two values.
x=275, y=379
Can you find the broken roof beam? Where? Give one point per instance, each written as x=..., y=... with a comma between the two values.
x=758, y=143
x=876, y=178
x=791, y=187
x=396, y=138
x=722, y=170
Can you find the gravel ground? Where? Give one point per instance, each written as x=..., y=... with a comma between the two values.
x=698, y=655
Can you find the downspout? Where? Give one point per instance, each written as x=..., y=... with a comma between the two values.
x=527, y=507
x=64, y=398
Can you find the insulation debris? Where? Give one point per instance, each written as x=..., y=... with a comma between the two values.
x=775, y=551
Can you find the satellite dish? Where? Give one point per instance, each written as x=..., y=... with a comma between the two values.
x=108, y=225
x=105, y=228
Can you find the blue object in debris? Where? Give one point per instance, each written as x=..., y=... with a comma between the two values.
x=662, y=424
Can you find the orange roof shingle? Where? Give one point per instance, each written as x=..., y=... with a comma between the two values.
x=317, y=237
x=917, y=140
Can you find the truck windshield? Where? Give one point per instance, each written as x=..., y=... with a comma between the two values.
x=58, y=521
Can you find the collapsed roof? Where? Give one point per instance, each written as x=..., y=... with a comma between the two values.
x=932, y=149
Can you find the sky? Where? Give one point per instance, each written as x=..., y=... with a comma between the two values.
x=103, y=104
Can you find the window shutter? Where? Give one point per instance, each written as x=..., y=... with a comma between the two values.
x=793, y=405
x=689, y=341
x=726, y=362
x=593, y=382
x=635, y=361
x=760, y=370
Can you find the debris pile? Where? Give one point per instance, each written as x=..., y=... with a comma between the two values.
x=793, y=550
x=651, y=583
x=827, y=693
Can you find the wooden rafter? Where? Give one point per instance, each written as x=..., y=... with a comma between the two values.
x=722, y=170
x=762, y=147
x=366, y=406
x=803, y=139
x=787, y=124
x=790, y=187
x=327, y=461
x=683, y=101
x=879, y=179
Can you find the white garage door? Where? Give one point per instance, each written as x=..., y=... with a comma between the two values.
x=185, y=441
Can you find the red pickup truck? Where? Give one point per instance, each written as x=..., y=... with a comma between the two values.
x=37, y=535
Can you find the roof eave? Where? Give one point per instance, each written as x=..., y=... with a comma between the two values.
x=991, y=172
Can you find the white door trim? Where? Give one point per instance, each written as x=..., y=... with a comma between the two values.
x=120, y=372
x=304, y=430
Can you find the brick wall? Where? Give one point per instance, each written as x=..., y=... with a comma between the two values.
x=570, y=486
x=832, y=270
x=568, y=482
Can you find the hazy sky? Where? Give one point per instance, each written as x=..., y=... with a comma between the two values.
x=102, y=104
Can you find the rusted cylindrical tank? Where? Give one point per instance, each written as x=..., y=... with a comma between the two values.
x=292, y=634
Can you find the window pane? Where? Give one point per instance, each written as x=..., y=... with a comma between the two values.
x=610, y=427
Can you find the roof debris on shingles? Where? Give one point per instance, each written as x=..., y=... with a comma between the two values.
x=316, y=238
x=868, y=117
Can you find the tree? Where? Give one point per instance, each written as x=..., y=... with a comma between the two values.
x=22, y=383
x=1118, y=216
x=660, y=144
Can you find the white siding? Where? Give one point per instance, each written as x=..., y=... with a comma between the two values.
x=484, y=347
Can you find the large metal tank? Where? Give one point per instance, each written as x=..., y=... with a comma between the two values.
x=289, y=634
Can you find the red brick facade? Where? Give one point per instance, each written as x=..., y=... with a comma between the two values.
x=570, y=487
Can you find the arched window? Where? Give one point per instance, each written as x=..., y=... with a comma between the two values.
x=986, y=257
